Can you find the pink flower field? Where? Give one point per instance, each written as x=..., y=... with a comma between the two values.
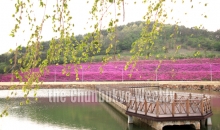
x=179, y=70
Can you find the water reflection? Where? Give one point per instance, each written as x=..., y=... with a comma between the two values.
x=183, y=127
x=65, y=116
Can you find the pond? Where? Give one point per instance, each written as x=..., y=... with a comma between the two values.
x=56, y=114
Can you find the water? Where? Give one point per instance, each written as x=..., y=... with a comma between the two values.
x=69, y=115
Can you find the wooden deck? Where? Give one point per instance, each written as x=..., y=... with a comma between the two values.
x=161, y=105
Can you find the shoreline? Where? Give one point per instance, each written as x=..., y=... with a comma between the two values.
x=125, y=82
x=194, y=85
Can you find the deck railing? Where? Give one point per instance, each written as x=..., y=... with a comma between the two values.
x=160, y=103
x=178, y=107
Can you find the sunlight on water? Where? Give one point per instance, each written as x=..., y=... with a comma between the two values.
x=13, y=123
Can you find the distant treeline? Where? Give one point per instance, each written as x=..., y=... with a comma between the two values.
x=169, y=38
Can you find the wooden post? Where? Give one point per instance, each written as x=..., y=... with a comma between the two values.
x=135, y=104
x=145, y=106
x=141, y=92
x=157, y=108
x=173, y=109
x=124, y=97
x=175, y=96
x=210, y=109
x=201, y=107
x=131, y=91
x=134, y=92
x=128, y=105
x=205, y=105
x=187, y=107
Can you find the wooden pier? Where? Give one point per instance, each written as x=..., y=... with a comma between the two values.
x=160, y=108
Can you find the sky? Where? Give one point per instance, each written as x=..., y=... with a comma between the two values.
x=80, y=12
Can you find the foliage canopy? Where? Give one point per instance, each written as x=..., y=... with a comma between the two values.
x=76, y=51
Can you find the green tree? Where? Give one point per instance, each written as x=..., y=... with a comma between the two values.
x=67, y=48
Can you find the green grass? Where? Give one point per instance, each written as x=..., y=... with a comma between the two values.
x=180, y=54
